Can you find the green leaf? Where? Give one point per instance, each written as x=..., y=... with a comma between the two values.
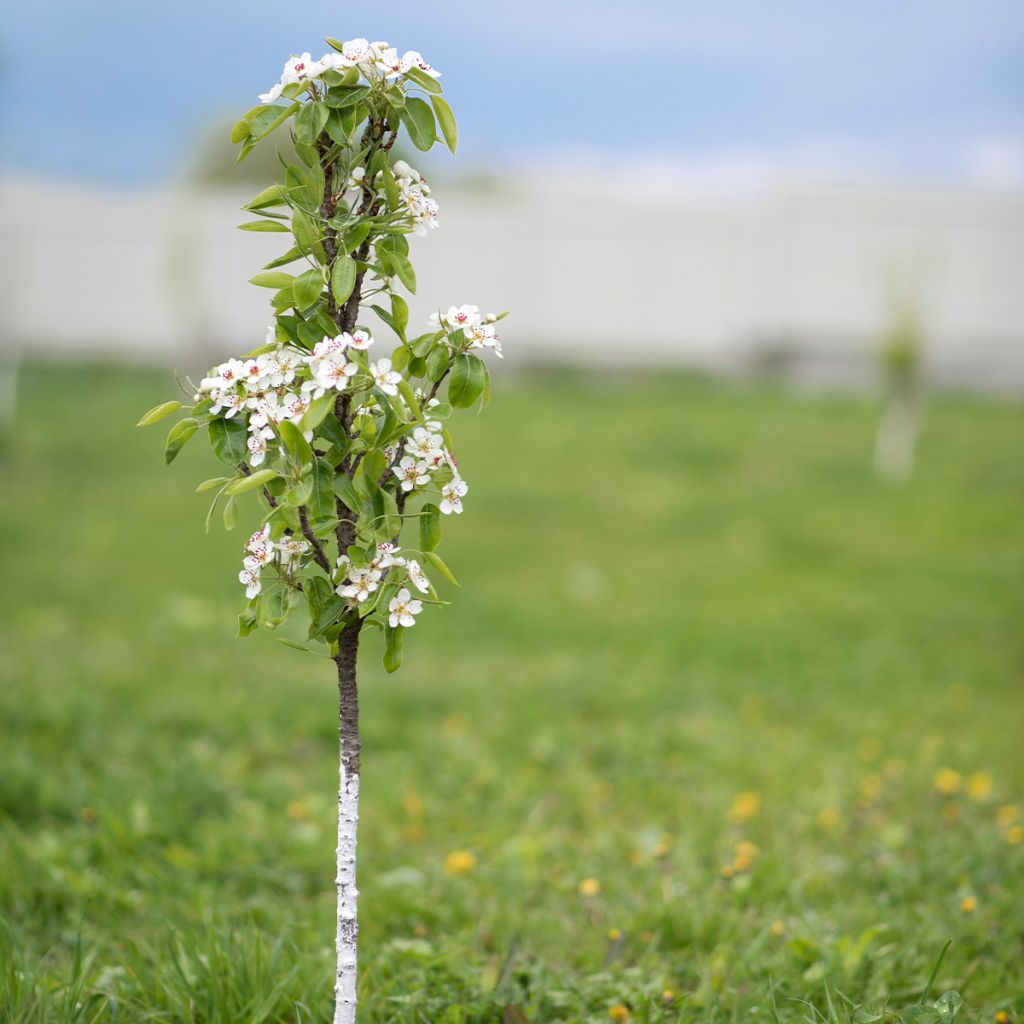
x=423, y=80
x=343, y=278
x=296, y=646
x=446, y=119
x=321, y=501
x=341, y=96
x=249, y=483
x=306, y=288
x=272, y=280
x=430, y=527
x=399, y=315
x=295, y=442
x=227, y=439
x=307, y=235
x=392, y=648
x=310, y=121
x=230, y=514
x=317, y=412
x=418, y=118
x=467, y=381
x=263, y=120
x=356, y=235
x=178, y=436
x=241, y=131
x=158, y=412
x=249, y=617
x=346, y=492
x=264, y=225
x=270, y=196
x=437, y=363
x=438, y=563
x=290, y=256
x=214, y=481
x=341, y=124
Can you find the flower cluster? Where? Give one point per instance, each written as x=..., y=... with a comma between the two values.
x=414, y=191
x=281, y=384
x=479, y=330
x=261, y=551
x=378, y=60
x=357, y=583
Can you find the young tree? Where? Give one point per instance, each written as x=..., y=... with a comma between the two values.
x=341, y=449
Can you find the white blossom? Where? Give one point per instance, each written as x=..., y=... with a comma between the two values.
x=411, y=473
x=251, y=579
x=452, y=494
x=390, y=64
x=403, y=609
x=360, y=340
x=330, y=373
x=273, y=94
x=387, y=556
x=417, y=576
x=292, y=548
x=230, y=400
x=296, y=68
x=384, y=377
x=356, y=178
x=257, y=446
x=413, y=59
x=424, y=445
x=456, y=317
x=354, y=51
x=484, y=335
x=363, y=582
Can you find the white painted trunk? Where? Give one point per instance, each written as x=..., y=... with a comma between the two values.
x=348, y=896
x=896, y=441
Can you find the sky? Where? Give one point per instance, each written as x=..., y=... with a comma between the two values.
x=725, y=93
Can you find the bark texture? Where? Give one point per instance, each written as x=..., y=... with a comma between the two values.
x=348, y=821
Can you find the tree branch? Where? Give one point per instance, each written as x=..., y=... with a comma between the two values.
x=318, y=549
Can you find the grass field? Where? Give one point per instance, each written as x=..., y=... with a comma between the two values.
x=718, y=729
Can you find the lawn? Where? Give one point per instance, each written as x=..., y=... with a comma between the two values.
x=718, y=728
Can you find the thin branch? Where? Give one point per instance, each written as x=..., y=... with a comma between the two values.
x=318, y=548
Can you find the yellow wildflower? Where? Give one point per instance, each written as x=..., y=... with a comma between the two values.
x=745, y=806
x=778, y=928
x=969, y=905
x=1008, y=814
x=947, y=781
x=296, y=810
x=745, y=848
x=619, y=1012
x=614, y=934
x=979, y=786
x=589, y=887
x=828, y=818
x=1015, y=834
x=727, y=871
x=459, y=862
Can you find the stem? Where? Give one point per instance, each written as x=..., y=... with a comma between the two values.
x=348, y=820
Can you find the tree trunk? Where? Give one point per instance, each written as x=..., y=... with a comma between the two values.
x=348, y=820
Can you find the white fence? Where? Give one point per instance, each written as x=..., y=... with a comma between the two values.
x=803, y=276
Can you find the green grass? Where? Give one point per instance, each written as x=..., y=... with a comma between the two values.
x=673, y=594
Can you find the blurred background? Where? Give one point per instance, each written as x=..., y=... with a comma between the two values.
x=731, y=186
x=731, y=698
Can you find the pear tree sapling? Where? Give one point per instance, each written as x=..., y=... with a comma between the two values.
x=344, y=447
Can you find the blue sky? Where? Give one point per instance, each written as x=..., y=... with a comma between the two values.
x=914, y=90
